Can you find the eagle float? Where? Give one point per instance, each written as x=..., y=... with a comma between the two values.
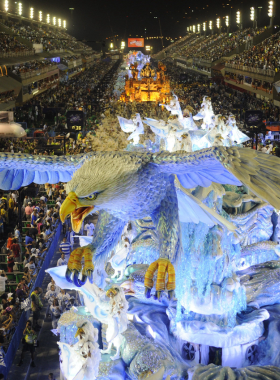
x=126, y=186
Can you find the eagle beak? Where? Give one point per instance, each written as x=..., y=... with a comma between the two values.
x=78, y=212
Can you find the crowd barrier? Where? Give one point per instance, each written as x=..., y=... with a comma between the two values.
x=16, y=339
x=256, y=70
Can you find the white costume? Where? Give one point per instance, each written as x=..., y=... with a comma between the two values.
x=135, y=126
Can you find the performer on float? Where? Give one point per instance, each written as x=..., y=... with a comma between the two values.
x=134, y=126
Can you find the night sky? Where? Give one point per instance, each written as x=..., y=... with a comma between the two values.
x=97, y=20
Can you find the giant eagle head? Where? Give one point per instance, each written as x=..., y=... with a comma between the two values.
x=100, y=183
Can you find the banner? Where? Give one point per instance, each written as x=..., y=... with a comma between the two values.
x=135, y=42
x=75, y=120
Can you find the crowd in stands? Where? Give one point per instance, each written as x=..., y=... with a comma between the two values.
x=227, y=44
x=52, y=39
x=8, y=96
x=265, y=55
x=76, y=93
x=211, y=47
x=30, y=66
x=11, y=44
x=25, y=251
x=173, y=48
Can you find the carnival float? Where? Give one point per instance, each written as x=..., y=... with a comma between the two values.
x=180, y=279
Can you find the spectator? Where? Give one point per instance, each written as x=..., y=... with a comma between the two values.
x=36, y=306
x=61, y=261
x=51, y=294
x=65, y=248
x=10, y=240
x=31, y=265
x=20, y=293
x=89, y=227
x=15, y=247
x=28, y=240
x=56, y=312
x=10, y=260
x=29, y=336
x=28, y=211
x=63, y=298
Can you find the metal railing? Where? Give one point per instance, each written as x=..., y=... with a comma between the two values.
x=267, y=72
x=36, y=72
x=17, y=54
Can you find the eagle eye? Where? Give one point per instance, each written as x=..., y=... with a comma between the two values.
x=92, y=197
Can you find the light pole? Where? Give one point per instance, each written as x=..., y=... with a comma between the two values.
x=218, y=24
x=211, y=26
x=204, y=27
x=239, y=19
x=271, y=11
x=253, y=16
x=227, y=23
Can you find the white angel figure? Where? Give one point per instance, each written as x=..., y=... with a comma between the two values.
x=174, y=107
x=118, y=260
x=109, y=307
x=81, y=361
x=234, y=133
x=135, y=126
x=186, y=142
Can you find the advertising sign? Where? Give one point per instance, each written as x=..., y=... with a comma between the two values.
x=135, y=42
x=253, y=118
x=75, y=120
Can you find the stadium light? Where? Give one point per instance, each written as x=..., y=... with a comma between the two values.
x=198, y=28
x=40, y=16
x=20, y=9
x=48, y=19
x=271, y=8
x=59, y=22
x=148, y=48
x=238, y=19
x=218, y=23
x=252, y=14
x=31, y=13
x=210, y=25
x=204, y=26
x=6, y=5
x=193, y=28
x=227, y=21
x=64, y=24
x=54, y=21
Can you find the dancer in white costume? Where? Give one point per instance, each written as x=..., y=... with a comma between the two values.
x=235, y=134
x=134, y=126
x=81, y=361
